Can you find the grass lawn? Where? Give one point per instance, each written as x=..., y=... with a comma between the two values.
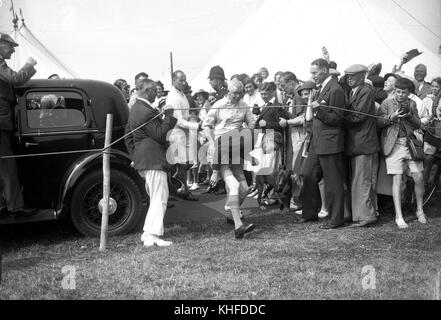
x=279, y=260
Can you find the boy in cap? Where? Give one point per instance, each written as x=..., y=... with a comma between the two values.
x=400, y=119
x=9, y=182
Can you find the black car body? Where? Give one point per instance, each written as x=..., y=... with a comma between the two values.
x=68, y=118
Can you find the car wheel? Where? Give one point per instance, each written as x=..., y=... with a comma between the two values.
x=129, y=198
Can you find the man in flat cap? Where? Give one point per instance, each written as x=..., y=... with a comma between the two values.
x=9, y=183
x=362, y=146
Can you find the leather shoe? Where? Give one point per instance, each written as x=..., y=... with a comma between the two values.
x=220, y=191
x=327, y=226
x=245, y=228
x=303, y=220
x=25, y=212
x=366, y=223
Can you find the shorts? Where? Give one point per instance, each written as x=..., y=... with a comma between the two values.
x=400, y=160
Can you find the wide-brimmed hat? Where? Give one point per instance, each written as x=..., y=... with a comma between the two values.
x=377, y=81
x=333, y=69
x=395, y=75
x=217, y=72
x=412, y=54
x=201, y=91
x=374, y=69
x=308, y=85
x=7, y=38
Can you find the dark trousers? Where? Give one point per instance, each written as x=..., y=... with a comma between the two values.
x=10, y=190
x=331, y=169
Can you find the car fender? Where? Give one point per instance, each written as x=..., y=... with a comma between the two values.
x=88, y=162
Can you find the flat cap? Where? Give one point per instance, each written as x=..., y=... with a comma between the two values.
x=356, y=68
x=7, y=38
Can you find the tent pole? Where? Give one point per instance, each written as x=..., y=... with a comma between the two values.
x=171, y=66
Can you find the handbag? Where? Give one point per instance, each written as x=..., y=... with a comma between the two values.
x=415, y=147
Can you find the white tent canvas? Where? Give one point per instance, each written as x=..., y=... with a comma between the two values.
x=30, y=46
x=289, y=35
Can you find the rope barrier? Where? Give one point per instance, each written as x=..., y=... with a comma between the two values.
x=181, y=109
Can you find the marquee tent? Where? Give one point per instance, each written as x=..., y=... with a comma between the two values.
x=29, y=46
x=289, y=35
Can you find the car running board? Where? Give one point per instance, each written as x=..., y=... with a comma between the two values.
x=41, y=215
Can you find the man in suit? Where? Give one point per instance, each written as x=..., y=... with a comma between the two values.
x=9, y=183
x=362, y=146
x=325, y=157
x=148, y=149
x=424, y=88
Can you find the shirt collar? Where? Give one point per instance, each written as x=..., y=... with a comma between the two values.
x=325, y=82
x=148, y=102
x=177, y=91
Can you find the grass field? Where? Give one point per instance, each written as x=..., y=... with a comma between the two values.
x=280, y=260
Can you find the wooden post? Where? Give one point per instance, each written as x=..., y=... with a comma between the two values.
x=106, y=182
x=171, y=67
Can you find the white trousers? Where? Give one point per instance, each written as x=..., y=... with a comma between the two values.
x=156, y=187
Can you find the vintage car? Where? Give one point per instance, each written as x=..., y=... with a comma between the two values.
x=69, y=117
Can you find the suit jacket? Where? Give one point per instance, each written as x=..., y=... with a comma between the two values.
x=390, y=131
x=327, y=131
x=271, y=115
x=425, y=90
x=361, y=130
x=148, y=146
x=8, y=79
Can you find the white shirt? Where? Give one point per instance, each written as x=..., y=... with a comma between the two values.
x=178, y=100
x=255, y=99
x=146, y=101
x=423, y=111
x=325, y=82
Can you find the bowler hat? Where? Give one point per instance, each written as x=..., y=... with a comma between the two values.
x=356, y=68
x=7, y=38
x=217, y=72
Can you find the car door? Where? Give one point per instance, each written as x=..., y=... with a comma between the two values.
x=49, y=122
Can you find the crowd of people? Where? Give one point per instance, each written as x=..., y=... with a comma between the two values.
x=344, y=138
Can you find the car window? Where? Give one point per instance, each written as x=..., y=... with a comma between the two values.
x=55, y=109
